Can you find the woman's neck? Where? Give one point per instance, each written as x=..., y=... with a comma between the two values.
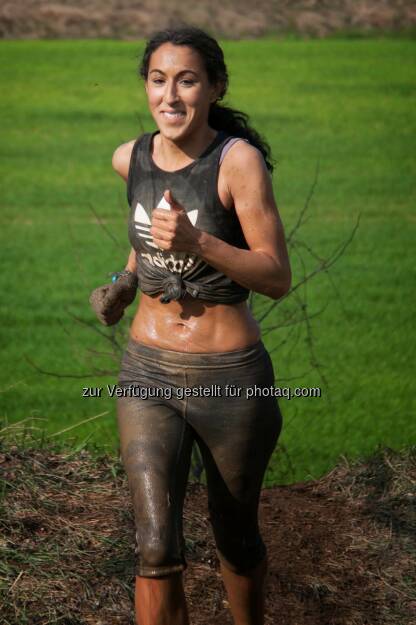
x=175, y=154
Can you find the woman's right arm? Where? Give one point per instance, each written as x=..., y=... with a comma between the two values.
x=131, y=262
x=121, y=164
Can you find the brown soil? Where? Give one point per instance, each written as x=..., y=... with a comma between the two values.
x=341, y=549
x=233, y=19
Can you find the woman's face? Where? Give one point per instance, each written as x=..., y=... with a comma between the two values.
x=178, y=91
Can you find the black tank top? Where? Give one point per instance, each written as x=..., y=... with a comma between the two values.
x=195, y=188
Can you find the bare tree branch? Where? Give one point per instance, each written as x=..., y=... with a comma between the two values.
x=305, y=207
x=104, y=227
x=78, y=376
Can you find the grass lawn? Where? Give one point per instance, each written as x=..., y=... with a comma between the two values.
x=344, y=105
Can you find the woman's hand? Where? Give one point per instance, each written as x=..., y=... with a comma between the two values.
x=171, y=229
x=110, y=300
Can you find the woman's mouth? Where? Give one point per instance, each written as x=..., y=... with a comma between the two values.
x=174, y=116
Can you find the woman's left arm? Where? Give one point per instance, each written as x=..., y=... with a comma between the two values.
x=265, y=267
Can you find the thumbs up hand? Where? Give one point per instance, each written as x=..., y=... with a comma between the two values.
x=171, y=229
x=171, y=200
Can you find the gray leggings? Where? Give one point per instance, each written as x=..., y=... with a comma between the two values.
x=172, y=399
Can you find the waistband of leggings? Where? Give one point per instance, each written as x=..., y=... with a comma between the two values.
x=160, y=355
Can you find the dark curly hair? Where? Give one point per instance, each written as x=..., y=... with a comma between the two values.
x=220, y=117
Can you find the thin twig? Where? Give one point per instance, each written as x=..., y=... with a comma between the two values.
x=104, y=227
x=71, y=427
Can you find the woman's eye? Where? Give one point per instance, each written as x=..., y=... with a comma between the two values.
x=187, y=82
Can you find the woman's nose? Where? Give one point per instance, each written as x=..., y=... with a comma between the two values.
x=171, y=94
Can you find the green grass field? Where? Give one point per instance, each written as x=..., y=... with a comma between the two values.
x=345, y=104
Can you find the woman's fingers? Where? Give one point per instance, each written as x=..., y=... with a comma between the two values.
x=165, y=245
x=172, y=229
x=162, y=216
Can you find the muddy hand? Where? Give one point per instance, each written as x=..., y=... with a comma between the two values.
x=172, y=229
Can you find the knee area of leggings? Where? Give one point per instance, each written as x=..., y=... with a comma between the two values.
x=241, y=560
x=157, y=558
x=238, y=541
x=236, y=521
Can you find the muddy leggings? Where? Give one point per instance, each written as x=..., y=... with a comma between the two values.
x=171, y=399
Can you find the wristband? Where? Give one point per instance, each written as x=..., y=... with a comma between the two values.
x=118, y=274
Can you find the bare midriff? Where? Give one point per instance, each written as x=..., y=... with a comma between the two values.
x=194, y=325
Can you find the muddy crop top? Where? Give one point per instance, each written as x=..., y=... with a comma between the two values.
x=195, y=188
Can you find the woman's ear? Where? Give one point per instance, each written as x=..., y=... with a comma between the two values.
x=217, y=92
x=222, y=91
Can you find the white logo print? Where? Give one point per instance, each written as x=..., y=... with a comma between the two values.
x=178, y=261
x=143, y=223
x=192, y=215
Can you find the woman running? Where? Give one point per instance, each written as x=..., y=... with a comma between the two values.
x=204, y=230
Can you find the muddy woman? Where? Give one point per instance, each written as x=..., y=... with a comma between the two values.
x=204, y=230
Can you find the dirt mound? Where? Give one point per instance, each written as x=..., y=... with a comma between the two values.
x=340, y=548
x=128, y=19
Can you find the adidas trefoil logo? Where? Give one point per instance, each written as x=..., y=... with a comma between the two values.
x=142, y=222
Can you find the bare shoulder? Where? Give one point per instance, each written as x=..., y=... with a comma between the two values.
x=245, y=163
x=246, y=172
x=121, y=158
x=243, y=156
